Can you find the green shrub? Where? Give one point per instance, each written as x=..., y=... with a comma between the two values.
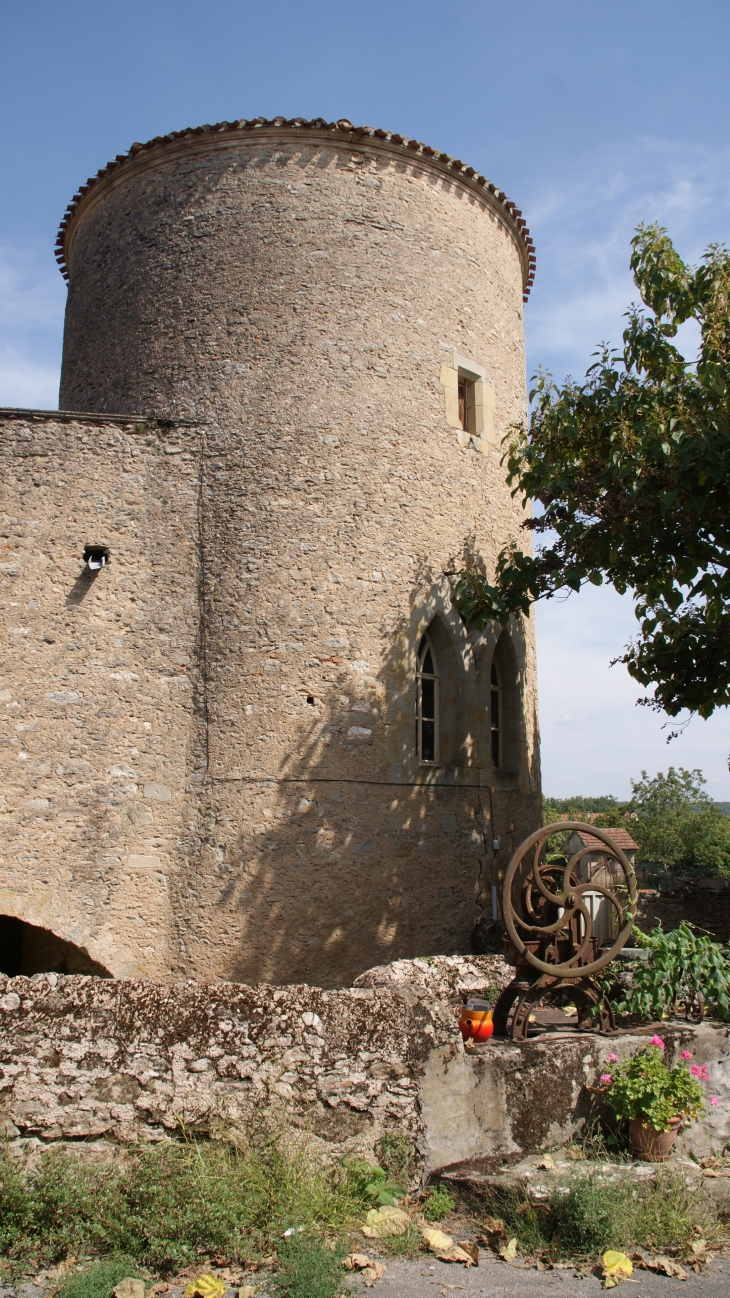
x=100, y=1279
x=685, y=967
x=371, y=1184
x=438, y=1203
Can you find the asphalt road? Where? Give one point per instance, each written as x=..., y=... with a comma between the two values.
x=422, y=1279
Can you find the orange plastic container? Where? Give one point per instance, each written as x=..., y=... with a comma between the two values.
x=475, y=1021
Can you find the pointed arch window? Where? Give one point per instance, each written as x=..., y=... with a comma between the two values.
x=496, y=716
x=427, y=703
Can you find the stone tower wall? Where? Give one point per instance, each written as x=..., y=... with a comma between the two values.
x=308, y=302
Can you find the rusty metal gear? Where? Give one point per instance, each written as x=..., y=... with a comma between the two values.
x=547, y=908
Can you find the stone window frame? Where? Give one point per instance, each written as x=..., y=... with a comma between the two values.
x=483, y=434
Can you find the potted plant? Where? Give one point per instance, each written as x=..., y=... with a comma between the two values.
x=654, y=1098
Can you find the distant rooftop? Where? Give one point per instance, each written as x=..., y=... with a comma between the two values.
x=621, y=838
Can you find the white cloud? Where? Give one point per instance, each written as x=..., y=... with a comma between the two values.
x=594, y=737
x=583, y=227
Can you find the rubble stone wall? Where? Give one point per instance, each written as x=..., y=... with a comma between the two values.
x=101, y=706
x=128, y=1061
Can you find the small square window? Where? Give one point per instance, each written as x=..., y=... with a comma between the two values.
x=467, y=404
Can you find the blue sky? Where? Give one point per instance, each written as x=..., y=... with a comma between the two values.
x=590, y=116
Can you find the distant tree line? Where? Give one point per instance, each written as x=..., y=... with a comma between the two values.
x=670, y=816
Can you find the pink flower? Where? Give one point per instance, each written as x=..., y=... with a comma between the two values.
x=700, y=1070
x=606, y=1079
x=686, y=1054
x=657, y=1041
x=714, y=1100
x=612, y=1058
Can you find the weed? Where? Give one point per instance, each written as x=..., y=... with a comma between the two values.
x=406, y=1245
x=395, y=1155
x=438, y=1203
x=308, y=1268
x=170, y=1204
x=100, y=1279
x=604, y=1140
x=371, y=1183
x=593, y=1215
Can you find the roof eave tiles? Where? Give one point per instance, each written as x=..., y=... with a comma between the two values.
x=342, y=126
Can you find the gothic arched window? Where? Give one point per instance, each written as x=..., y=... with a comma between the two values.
x=427, y=703
x=496, y=716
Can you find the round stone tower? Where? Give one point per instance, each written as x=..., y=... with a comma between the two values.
x=337, y=311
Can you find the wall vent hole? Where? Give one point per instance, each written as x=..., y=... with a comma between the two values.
x=96, y=557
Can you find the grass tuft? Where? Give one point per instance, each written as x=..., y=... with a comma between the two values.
x=308, y=1268
x=593, y=1215
x=437, y=1204
x=100, y=1279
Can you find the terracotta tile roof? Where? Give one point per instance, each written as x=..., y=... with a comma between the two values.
x=345, y=131
x=621, y=838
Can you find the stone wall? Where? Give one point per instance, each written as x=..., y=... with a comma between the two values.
x=704, y=902
x=206, y=757
x=126, y=1061
x=101, y=711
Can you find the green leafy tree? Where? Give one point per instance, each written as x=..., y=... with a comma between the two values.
x=631, y=470
x=676, y=824
x=580, y=808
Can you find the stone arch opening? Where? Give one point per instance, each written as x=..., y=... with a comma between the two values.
x=27, y=949
x=504, y=693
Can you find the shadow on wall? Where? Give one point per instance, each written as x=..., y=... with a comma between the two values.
x=26, y=949
x=355, y=854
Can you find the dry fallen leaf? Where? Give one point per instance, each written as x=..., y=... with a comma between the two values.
x=356, y=1262
x=247, y=1291
x=383, y=1222
x=469, y=1247
x=456, y=1254
x=369, y=1269
x=131, y=1287
x=494, y=1232
x=667, y=1266
x=437, y=1240
x=699, y=1255
x=206, y=1286
x=616, y=1266
x=508, y=1252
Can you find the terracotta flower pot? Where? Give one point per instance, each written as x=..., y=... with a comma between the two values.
x=651, y=1145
